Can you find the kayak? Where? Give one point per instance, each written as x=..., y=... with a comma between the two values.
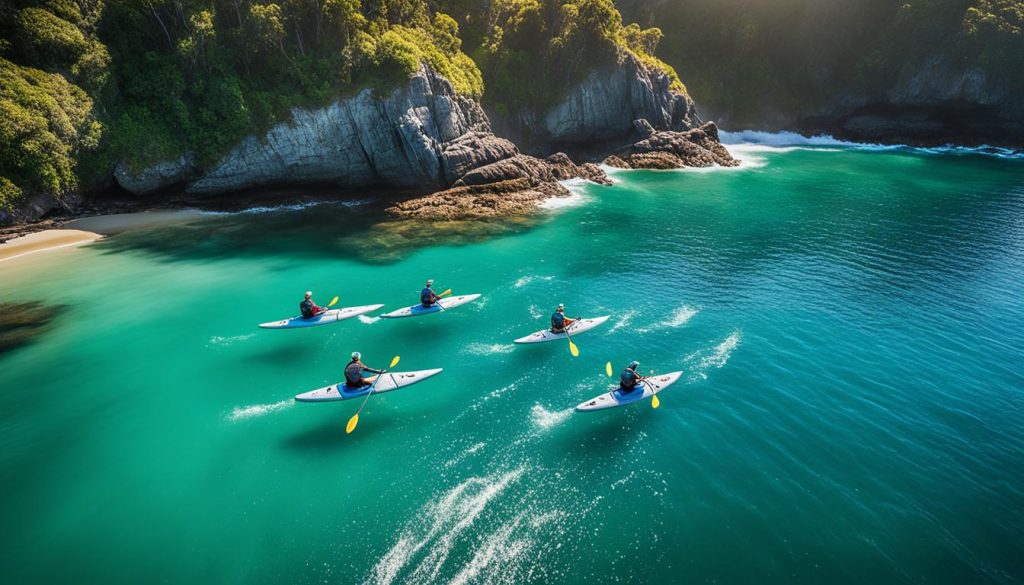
x=390, y=381
x=329, y=316
x=617, y=398
x=417, y=310
x=576, y=328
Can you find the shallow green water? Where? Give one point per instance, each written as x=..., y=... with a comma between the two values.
x=850, y=324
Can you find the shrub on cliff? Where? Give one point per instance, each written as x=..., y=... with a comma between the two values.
x=532, y=51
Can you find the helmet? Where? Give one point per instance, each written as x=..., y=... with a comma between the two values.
x=560, y=306
x=430, y=281
x=356, y=355
x=634, y=365
x=309, y=293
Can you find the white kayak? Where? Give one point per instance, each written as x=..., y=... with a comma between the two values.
x=390, y=381
x=329, y=316
x=417, y=309
x=577, y=327
x=651, y=384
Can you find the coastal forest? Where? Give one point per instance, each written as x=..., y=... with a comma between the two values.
x=86, y=85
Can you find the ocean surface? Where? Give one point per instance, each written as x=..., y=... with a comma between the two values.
x=849, y=320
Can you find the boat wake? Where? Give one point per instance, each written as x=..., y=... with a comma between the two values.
x=700, y=362
x=368, y=320
x=525, y=280
x=220, y=341
x=546, y=419
x=624, y=321
x=681, y=316
x=244, y=412
x=424, y=547
x=489, y=348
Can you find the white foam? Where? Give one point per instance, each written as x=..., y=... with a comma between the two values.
x=525, y=280
x=759, y=141
x=437, y=528
x=231, y=340
x=489, y=348
x=244, y=412
x=546, y=419
x=624, y=321
x=535, y=311
x=715, y=358
x=368, y=320
x=499, y=548
x=577, y=196
x=679, y=317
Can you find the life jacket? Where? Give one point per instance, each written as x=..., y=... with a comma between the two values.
x=628, y=379
x=354, y=375
x=557, y=321
x=427, y=296
x=306, y=307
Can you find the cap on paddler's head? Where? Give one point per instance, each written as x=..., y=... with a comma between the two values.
x=356, y=355
x=309, y=293
x=560, y=306
x=634, y=365
x=430, y=281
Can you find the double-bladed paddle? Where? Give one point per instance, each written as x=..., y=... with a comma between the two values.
x=352, y=422
x=655, y=402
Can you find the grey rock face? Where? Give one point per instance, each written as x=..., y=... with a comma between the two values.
x=607, y=102
x=403, y=139
x=155, y=176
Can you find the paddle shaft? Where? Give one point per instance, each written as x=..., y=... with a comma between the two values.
x=372, y=388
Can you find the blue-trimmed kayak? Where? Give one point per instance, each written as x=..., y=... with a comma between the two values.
x=325, y=318
x=616, y=398
x=417, y=310
x=390, y=381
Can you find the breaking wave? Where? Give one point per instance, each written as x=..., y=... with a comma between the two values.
x=750, y=140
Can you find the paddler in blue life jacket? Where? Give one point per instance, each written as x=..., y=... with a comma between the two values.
x=559, y=321
x=427, y=296
x=309, y=308
x=630, y=380
x=354, y=372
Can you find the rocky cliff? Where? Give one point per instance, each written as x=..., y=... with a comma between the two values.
x=408, y=138
x=604, y=105
x=424, y=136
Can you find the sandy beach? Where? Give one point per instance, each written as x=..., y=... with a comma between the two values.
x=45, y=240
x=89, y=229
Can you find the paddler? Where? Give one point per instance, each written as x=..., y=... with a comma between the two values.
x=309, y=308
x=559, y=321
x=427, y=296
x=630, y=380
x=354, y=372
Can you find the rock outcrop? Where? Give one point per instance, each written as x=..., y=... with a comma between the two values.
x=420, y=135
x=667, y=149
x=511, y=186
x=604, y=105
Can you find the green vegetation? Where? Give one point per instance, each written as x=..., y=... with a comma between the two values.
x=532, y=51
x=762, y=62
x=85, y=84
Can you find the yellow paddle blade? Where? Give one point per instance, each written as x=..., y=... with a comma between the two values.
x=394, y=361
x=352, y=422
x=445, y=293
x=333, y=302
x=608, y=369
x=655, y=403
x=575, y=351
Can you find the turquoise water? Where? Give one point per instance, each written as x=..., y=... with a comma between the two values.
x=849, y=322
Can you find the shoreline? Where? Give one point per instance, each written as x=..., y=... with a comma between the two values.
x=43, y=241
